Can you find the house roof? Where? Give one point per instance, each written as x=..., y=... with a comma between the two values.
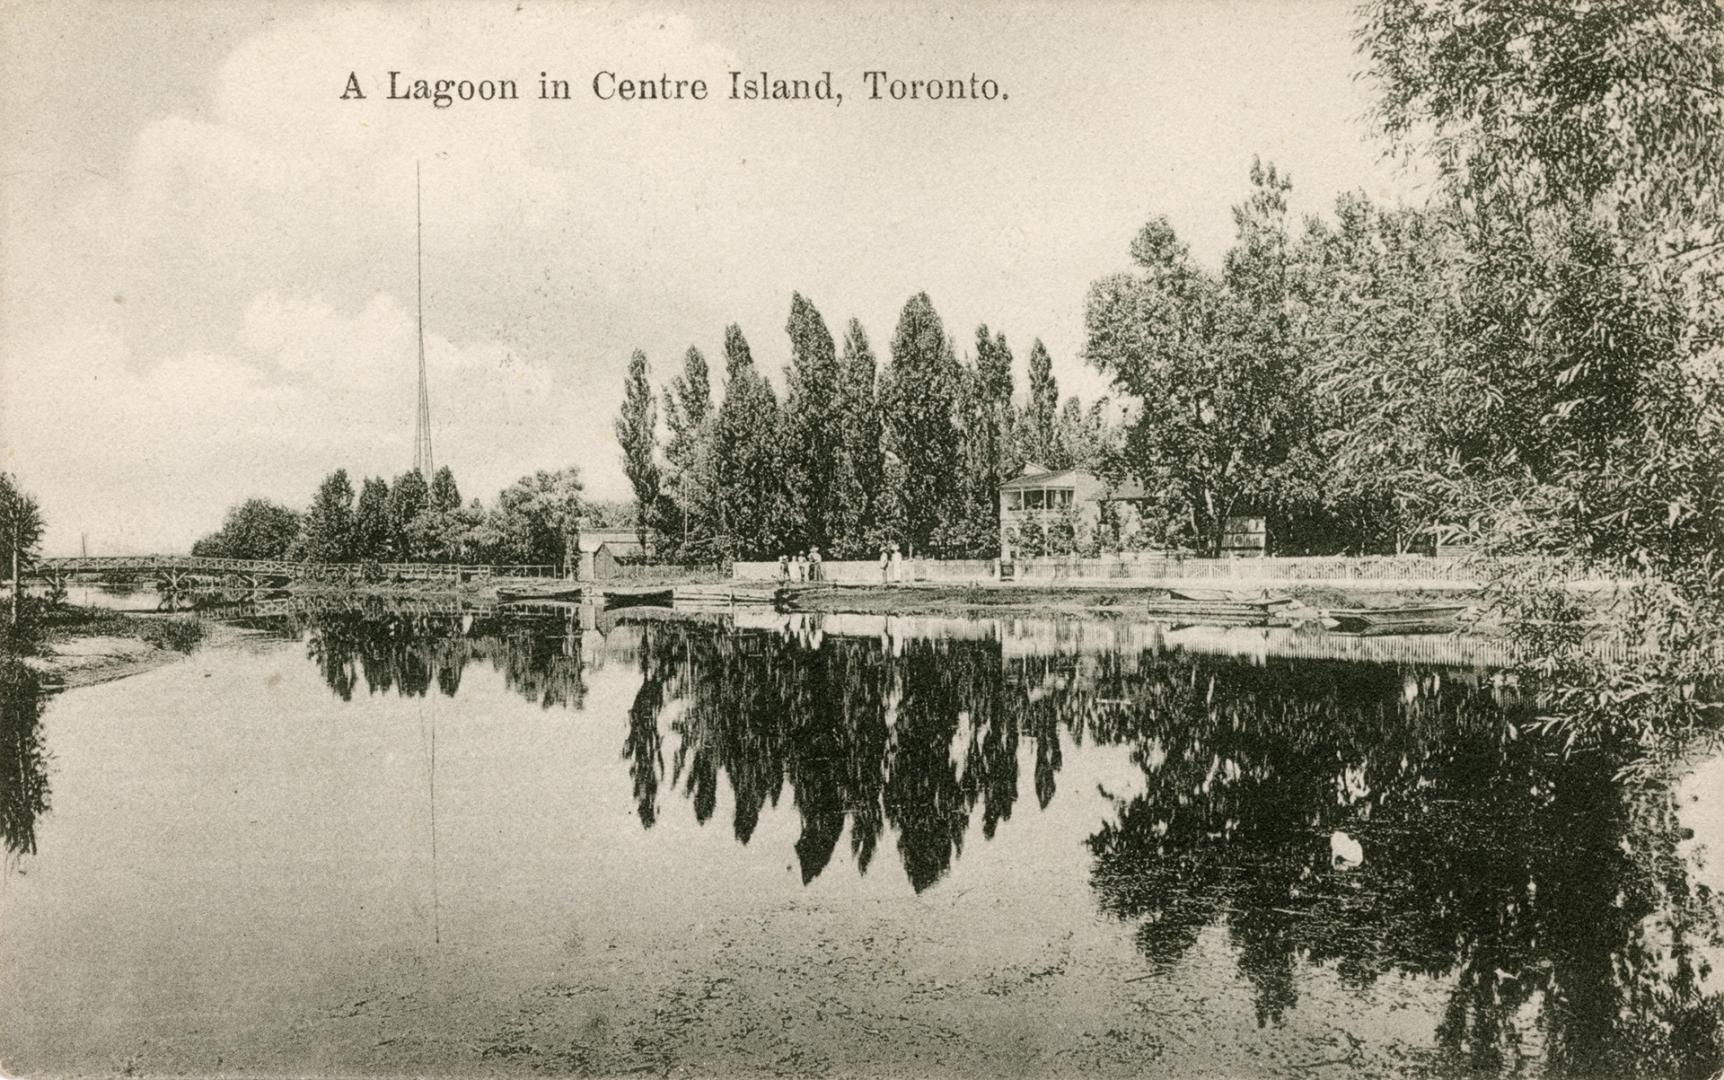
x=1092, y=486
x=1062, y=478
x=621, y=541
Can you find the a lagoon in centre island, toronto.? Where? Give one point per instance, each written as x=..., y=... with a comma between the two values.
x=389, y=843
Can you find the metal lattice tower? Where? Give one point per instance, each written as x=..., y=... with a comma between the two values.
x=422, y=427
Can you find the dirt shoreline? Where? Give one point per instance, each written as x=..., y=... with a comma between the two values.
x=93, y=647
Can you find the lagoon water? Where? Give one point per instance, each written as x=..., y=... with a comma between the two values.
x=378, y=843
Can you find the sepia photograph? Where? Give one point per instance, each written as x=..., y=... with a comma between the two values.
x=661, y=538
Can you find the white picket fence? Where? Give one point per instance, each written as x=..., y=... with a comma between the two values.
x=1408, y=571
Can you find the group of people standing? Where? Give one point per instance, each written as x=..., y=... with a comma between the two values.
x=803, y=566
x=891, y=564
x=808, y=566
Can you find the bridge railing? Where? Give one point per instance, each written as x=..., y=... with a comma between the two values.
x=201, y=564
x=548, y=570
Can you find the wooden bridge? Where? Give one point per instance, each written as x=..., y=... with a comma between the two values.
x=187, y=571
x=422, y=605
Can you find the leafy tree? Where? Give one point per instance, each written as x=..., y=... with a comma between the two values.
x=255, y=529
x=1223, y=422
x=1587, y=197
x=20, y=526
x=1398, y=419
x=1614, y=108
x=445, y=496
x=919, y=403
x=412, y=521
x=1030, y=539
x=1062, y=532
x=1121, y=527
x=637, y=431
x=328, y=534
x=748, y=466
x=1577, y=150
x=409, y=497
x=610, y=514
x=479, y=535
x=374, y=533
x=538, y=515
x=439, y=535
x=1084, y=438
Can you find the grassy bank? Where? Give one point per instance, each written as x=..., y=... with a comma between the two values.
x=77, y=646
x=174, y=633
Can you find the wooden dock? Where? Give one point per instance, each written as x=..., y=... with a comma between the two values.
x=724, y=596
x=1219, y=609
x=536, y=593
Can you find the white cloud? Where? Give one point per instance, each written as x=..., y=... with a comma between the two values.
x=309, y=389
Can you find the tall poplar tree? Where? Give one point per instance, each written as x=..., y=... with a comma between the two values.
x=1085, y=438
x=637, y=431
x=994, y=383
x=919, y=402
x=409, y=497
x=892, y=509
x=986, y=410
x=858, y=487
x=373, y=535
x=689, y=416
x=814, y=437
x=445, y=496
x=748, y=476
x=1039, y=427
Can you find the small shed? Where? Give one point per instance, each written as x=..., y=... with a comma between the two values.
x=609, y=549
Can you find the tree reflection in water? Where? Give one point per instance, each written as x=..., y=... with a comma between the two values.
x=1548, y=893
x=23, y=758
x=408, y=654
x=1527, y=879
x=1540, y=886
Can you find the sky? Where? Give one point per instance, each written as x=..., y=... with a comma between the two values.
x=207, y=255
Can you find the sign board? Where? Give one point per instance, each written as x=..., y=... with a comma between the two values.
x=1245, y=537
